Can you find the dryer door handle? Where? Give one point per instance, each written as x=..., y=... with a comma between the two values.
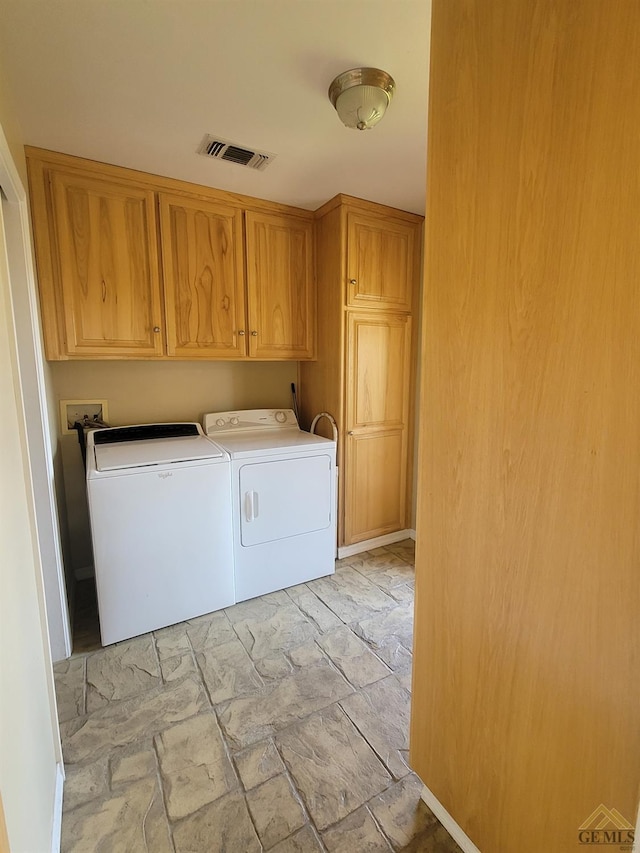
x=251, y=505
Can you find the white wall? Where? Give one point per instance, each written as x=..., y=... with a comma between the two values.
x=148, y=391
x=29, y=741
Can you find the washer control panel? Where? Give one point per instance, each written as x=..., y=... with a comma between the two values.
x=249, y=419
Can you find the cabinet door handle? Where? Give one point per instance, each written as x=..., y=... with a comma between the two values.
x=350, y=432
x=254, y=333
x=352, y=281
x=156, y=329
x=241, y=331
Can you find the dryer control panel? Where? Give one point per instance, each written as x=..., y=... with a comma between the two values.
x=249, y=419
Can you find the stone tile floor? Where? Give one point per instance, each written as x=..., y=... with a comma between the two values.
x=278, y=724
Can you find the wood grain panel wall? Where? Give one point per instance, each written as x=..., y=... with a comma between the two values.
x=526, y=670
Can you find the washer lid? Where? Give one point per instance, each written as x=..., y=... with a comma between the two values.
x=164, y=451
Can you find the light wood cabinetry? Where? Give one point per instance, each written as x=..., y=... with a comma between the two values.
x=364, y=374
x=105, y=268
x=281, y=290
x=381, y=267
x=378, y=370
x=203, y=268
x=375, y=484
x=237, y=273
x=377, y=409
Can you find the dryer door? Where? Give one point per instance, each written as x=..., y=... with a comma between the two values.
x=284, y=498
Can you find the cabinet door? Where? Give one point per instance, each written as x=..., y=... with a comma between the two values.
x=378, y=392
x=280, y=286
x=106, y=242
x=203, y=266
x=375, y=484
x=381, y=262
x=378, y=369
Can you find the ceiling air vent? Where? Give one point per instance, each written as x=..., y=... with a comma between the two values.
x=222, y=149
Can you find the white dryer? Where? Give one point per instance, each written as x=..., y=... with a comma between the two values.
x=160, y=508
x=284, y=499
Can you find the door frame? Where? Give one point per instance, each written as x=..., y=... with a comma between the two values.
x=34, y=399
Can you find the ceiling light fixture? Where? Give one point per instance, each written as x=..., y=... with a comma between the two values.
x=361, y=96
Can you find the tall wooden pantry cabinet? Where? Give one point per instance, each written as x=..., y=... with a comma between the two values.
x=368, y=261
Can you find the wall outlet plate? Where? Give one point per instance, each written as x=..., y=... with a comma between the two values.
x=75, y=410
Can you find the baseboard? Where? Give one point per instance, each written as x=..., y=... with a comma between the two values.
x=83, y=573
x=455, y=831
x=378, y=542
x=56, y=829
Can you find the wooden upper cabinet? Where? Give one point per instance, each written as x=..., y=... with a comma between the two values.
x=381, y=262
x=107, y=266
x=280, y=285
x=132, y=265
x=204, y=288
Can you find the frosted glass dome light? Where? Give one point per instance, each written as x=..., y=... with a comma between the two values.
x=361, y=96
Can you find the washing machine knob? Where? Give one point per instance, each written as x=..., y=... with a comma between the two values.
x=234, y=421
x=219, y=422
x=281, y=417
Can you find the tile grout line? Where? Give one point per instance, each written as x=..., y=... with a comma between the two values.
x=228, y=753
x=214, y=710
x=308, y=616
x=377, y=823
x=301, y=800
x=84, y=686
x=393, y=781
x=200, y=675
x=163, y=795
x=372, y=747
x=157, y=657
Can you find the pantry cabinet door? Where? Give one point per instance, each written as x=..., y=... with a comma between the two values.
x=105, y=247
x=378, y=393
x=203, y=267
x=375, y=489
x=378, y=369
x=281, y=291
x=381, y=262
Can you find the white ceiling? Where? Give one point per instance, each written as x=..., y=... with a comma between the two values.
x=139, y=82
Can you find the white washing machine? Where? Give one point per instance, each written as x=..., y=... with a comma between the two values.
x=284, y=499
x=160, y=508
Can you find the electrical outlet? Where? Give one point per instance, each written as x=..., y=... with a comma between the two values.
x=75, y=410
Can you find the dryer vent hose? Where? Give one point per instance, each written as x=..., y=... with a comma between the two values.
x=329, y=417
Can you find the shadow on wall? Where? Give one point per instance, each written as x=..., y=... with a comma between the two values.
x=77, y=510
